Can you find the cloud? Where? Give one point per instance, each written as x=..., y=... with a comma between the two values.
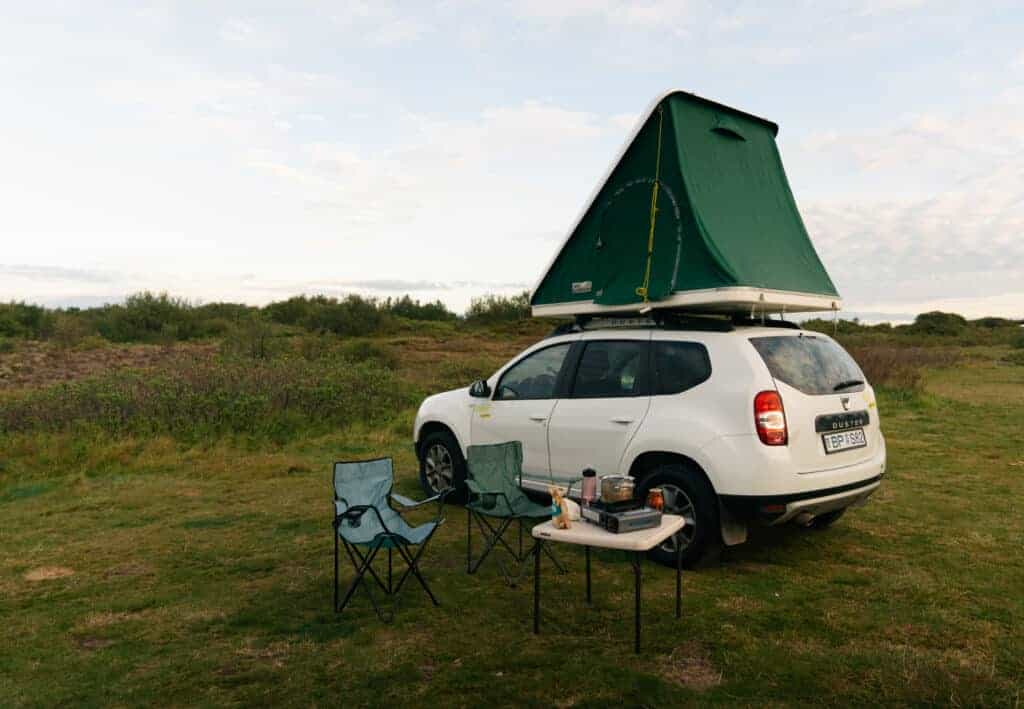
x=48, y=274
x=378, y=23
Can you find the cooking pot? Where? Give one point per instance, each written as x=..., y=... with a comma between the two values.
x=617, y=488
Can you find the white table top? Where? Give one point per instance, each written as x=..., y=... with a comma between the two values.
x=588, y=534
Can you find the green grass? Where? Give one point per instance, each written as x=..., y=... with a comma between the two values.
x=154, y=570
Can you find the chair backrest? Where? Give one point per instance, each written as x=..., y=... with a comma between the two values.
x=498, y=467
x=363, y=482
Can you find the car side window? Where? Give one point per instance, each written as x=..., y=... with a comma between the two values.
x=679, y=366
x=534, y=376
x=610, y=369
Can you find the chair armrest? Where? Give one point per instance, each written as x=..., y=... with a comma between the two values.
x=355, y=513
x=408, y=502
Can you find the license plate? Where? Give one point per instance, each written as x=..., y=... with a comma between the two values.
x=844, y=440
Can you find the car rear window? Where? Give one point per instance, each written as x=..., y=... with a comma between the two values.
x=810, y=364
x=679, y=366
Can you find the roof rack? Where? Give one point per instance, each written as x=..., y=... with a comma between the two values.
x=663, y=319
x=765, y=322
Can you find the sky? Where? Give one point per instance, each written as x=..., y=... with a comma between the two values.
x=250, y=151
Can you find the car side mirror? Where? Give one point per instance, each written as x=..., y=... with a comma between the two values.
x=479, y=389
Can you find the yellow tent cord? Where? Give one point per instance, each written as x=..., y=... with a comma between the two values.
x=642, y=290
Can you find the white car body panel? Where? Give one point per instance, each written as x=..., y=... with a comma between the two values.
x=711, y=424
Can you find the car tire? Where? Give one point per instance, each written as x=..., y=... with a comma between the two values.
x=686, y=490
x=441, y=461
x=827, y=519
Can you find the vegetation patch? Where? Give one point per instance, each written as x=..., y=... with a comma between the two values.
x=48, y=573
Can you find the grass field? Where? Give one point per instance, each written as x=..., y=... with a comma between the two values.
x=155, y=569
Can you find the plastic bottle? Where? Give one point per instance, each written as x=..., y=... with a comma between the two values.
x=589, y=490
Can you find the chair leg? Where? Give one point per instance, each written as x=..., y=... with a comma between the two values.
x=361, y=570
x=353, y=553
x=414, y=569
x=492, y=537
x=335, y=570
x=469, y=540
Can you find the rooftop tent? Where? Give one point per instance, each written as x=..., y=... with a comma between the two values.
x=696, y=214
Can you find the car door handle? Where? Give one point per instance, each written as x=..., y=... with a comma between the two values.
x=538, y=418
x=622, y=421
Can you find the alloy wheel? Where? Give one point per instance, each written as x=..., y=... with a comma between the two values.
x=439, y=466
x=677, y=502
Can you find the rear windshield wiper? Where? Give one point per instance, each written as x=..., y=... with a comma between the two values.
x=847, y=383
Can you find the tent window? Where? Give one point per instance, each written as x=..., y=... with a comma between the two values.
x=727, y=127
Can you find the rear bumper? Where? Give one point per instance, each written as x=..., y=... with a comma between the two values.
x=776, y=509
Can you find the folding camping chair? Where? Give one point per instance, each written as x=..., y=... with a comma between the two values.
x=494, y=477
x=366, y=523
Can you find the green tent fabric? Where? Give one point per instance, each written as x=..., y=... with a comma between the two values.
x=699, y=200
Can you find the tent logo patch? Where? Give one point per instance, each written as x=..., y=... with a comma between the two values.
x=579, y=287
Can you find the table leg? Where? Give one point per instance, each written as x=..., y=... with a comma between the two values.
x=587, y=548
x=636, y=575
x=679, y=579
x=536, y=586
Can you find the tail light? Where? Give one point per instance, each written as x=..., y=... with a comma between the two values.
x=770, y=419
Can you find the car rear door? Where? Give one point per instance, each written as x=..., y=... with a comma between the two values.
x=607, y=400
x=830, y=409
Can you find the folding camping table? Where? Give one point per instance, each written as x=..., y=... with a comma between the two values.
x=587, y=535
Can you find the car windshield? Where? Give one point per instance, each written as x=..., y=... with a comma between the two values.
x=810, y=364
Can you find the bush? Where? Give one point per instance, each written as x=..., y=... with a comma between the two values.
x=939, y=323
x=900, y=369
x=252, y=338
x=352, y=316
x=364, y=351
x=6, y=345
x=196, y=397
x=23, y=320
x=69, y=331
x=406, y=307
x=499, y=308
x=1016, y=358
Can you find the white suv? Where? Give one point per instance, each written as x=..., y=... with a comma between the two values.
x=736, y=422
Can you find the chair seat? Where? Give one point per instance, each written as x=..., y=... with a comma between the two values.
x=369, y=532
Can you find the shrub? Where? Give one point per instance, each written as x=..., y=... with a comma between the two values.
x=900, y=368
x=6, y=345
x=406, y=307
x=69, y=331
x=24, y=320
x=939, y=323
x=252, y=338
x=499, y=308
x=1016, y=357
x=352, y=316
x=195, y=397
x=364, y=351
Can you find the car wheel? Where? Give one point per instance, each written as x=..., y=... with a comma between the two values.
x=441, y=464
x=824, y=521
x=687, y=493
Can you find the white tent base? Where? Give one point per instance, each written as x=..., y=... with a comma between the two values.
x=742, y=300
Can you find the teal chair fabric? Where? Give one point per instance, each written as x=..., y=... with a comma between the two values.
x=366, y=523
x=496, y=501
x=495, y=476
x=368, y=483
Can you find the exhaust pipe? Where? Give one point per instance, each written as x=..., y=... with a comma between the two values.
x=804, y=519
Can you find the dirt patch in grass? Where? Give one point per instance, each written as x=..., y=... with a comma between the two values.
x=129, y=569
x=48, y=573
x=102, y=620
x=690, y=666
x=92, y=643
